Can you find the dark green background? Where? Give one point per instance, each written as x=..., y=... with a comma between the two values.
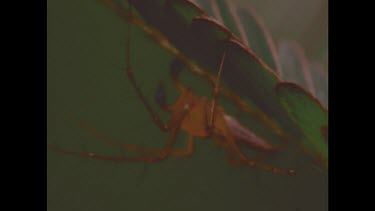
x=86, y=53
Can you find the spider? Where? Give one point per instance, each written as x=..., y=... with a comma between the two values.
x=197, y=116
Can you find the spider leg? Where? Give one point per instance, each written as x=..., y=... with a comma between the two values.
x=232, y=149
x=174, y=152
x=151, y=157
x=187, y=151
x=138, y=91
x=130, y=76
x=221, y=143
x=118, y=144
x=156, y=156
x=215, y=95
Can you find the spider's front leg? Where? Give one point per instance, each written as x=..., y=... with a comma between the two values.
x=153, y=155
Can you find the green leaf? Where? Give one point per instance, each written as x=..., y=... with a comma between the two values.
x=247, y=26
x=309, y=115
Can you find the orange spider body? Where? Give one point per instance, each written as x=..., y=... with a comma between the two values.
x=196, y=123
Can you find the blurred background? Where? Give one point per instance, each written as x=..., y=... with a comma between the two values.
x=305, y=21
